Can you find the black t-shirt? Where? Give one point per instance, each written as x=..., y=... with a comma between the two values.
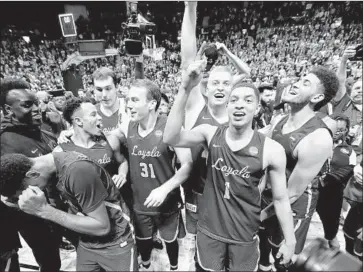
x=84, y=185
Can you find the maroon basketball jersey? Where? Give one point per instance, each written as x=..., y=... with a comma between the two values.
x=231, y=205
x=151, y=165
x=197, y=178
x=117, y=210
x=306, y=203
x=101, y=152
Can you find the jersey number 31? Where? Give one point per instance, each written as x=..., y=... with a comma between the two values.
x=145, y=172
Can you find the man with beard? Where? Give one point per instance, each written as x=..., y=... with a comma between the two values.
x=155, y=183
x=21, y=133
x=97, y=212
x=238, y=157
x=264, y=115
x=332, y=185
x=308, y=146
x=105, y=150
x=210, y=109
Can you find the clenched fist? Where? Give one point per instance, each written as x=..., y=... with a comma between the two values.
x=193, y=75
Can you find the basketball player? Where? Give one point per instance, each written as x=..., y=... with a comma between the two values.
x=96, y=209
x=238, y=156
x=198, y=111
x=105, y=150
x=111, y=108
x=154, y=181
x=308, y=145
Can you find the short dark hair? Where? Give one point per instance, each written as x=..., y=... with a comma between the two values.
x=13, y=168
x=71, y=105
x=247, y=85
x=153, y=90
x=330, y=83
x=165, y=97
x=265, y=86
x=103, y=73
x=342, y=117
x=8, y=84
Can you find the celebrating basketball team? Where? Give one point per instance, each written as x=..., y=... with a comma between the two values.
x=127, y=172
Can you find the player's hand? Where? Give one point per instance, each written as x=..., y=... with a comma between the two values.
x=358, y=174
x=119, y=180
x=156, y=197
x=32, y=200
x=286, y=252
x=221, y=47
x=201, y=51
x=349, y=52
x=65, y=135
x=193, y=75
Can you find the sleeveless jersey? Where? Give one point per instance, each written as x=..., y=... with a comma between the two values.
x=112, y=122
x=101, y=152
x=231, y=205
x=306, y=203
x=198, y=175
x=151, y=165
x=118, y=213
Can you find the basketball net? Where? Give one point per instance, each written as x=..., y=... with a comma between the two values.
x=151, y=50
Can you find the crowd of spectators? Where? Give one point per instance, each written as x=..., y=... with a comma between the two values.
x=278, y=41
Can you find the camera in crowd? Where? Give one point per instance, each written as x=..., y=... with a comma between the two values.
x=136, y=28
x=318, y=256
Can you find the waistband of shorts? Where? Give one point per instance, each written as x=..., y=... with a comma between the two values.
x=225, y=240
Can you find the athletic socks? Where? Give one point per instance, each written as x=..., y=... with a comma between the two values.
x=265, y=249
x=173, y=253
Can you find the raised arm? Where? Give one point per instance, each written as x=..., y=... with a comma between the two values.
x=188, y=37
x=342, y=73
x=188, y=54
x=240, y=65
x=173, y=134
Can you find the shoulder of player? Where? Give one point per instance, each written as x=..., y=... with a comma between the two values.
x=318, y=140
x=273, y=149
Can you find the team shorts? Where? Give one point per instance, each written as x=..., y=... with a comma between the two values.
x=192, y=200
x=352, y=224
x=170, y=226
x=217, y=255
x=276, y=236
x=121, y=257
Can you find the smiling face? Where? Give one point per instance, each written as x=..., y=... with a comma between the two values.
x=138, y=104
x=218, y=88
x=87, y=118
x=242, y=107
x=304, y=91
x=24, y=107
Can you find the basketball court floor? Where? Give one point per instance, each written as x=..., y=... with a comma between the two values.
x=160, y=258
